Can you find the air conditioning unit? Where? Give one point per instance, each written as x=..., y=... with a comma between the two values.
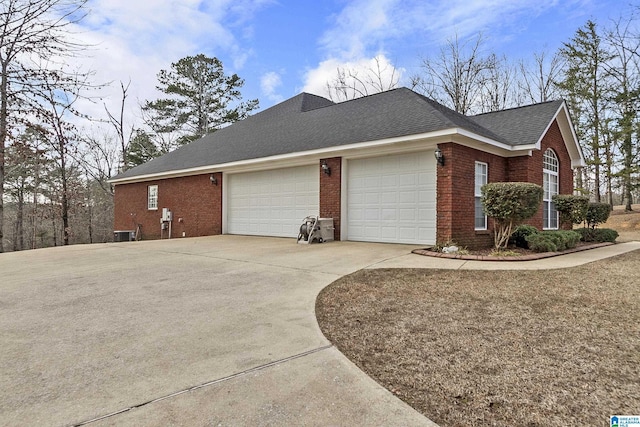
x=124, y=236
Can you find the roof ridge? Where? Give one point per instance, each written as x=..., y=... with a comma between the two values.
x=535, y=104
x=370, y=95
x=439, y=108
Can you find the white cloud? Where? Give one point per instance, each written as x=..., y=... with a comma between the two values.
x=365, y=69
x=359, y=25
x=365, y=26
x=269, y=84
x=135, y=39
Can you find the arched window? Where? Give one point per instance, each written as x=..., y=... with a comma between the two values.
x=550, y=184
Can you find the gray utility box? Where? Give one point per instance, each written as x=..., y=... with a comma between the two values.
x=124, y=236
x=326, y=229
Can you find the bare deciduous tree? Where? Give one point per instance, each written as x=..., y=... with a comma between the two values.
x=456, y=77
x=537, y=82
x=53, y=107
x=351, y=82
x=123, y=136
x=498, y=88
x=31, y=31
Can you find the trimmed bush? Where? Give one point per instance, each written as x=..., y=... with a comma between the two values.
x=572, y=209
x=606, y=235
x=510, y=203
x=586, y=234
x=520, y=234
x=541, y=243
x=597, y=213
x=552, y=241
x=569, y=238
x=597, y=235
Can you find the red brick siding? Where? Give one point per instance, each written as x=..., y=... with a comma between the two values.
x=199, y=203
x=455, y=194
x=530, y=168
x=193, y=198
x=330, y=192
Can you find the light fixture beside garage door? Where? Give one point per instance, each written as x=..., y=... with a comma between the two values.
x=325, y=168
x=439, y=156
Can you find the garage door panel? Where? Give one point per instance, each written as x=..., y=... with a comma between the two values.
x=272, y=203
x=392, y=199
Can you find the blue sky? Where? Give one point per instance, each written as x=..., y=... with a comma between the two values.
x=283, y=47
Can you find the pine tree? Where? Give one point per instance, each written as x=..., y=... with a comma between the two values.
x=141, y=149
x=626, y=95
x=200, y=99
x=586, y=84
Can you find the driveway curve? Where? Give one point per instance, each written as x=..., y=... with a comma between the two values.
x=204, y=331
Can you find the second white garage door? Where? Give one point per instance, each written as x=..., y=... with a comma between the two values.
x=392, y=199
x=273, y=202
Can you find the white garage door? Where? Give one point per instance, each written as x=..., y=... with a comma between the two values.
x=392, y=199
x=272, y=203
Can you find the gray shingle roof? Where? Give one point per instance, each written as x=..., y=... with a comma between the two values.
x=521, y=125
x=309, y=122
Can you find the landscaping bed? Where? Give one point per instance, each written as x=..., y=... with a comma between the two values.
x=514, y=254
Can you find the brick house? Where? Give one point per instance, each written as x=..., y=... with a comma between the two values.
x=370, y=164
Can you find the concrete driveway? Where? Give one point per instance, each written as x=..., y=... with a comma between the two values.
x=206, y=331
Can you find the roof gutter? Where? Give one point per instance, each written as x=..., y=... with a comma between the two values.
x=309, y=157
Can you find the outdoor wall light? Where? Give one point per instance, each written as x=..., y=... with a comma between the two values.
x=439, y=156
x=325, y=168
x=213, y=179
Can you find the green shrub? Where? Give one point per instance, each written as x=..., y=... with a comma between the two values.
x=597, y=213
x=541, y=243
x=519, y=236
x=553, y=240
x=573, y=209
x=586, y=234
x=597, y=235
x=606, y=235
x=570, y=238
x=557, y=239
x=510, y=203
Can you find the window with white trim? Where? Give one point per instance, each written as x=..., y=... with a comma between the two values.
x=152, y=197
x=481, y=178
x=550, y=185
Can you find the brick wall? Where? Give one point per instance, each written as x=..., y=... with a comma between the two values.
x=530, y=168
x=455, y=187
x=330, y=192
x=193, y=198
x=199, y=203
x=456, y=198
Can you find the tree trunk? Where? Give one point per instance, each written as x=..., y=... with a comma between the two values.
x=609, y=156
x=19, y=219
x=65, y=212
x=53, y=225
x=4, y=87
x=628, y=166
x=579, y=183
x=90, y=221
x=65, y=198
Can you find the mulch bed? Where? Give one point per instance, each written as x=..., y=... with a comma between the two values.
x=524, y=254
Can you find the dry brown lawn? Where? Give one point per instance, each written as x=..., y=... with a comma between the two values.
x=627, y=224
x=503, y=348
